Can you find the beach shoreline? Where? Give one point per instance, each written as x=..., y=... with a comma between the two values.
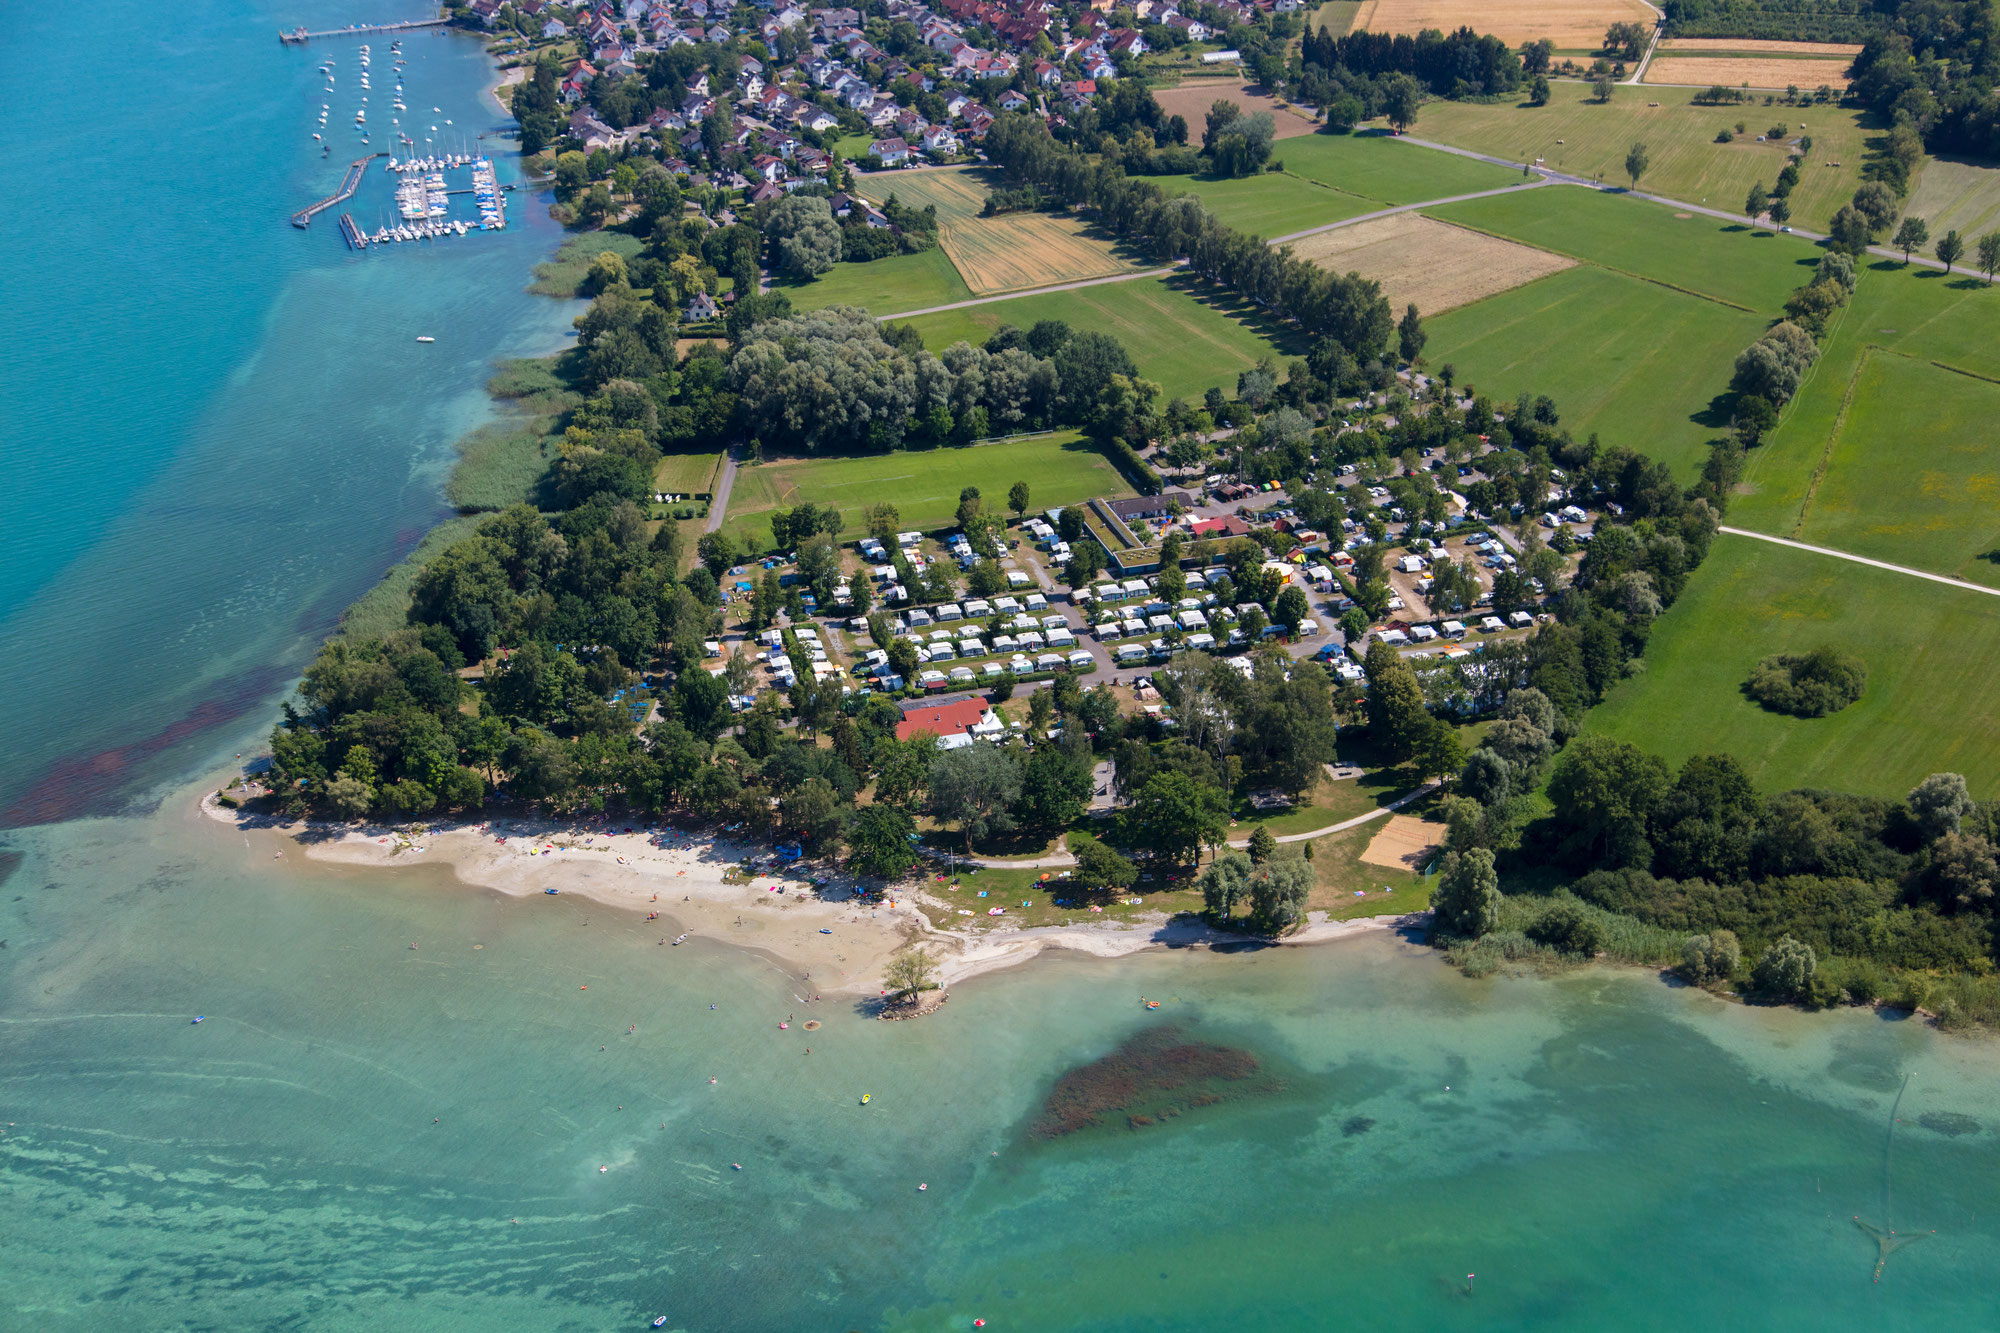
x=508, y=78
x=805, y=918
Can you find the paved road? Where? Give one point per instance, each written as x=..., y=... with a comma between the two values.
x=1034, y=291
x=1535, y=184
x=1946, y=579
x=718, y=504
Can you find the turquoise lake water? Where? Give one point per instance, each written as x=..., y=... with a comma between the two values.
x=215, y=431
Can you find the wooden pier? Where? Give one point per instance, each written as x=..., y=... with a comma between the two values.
x=348, y=185
x=299, y=36
x=356, y=238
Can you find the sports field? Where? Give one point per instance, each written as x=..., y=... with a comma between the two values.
x=1181, y=335
x=1573, y=133
x=1757, y=71
x=1642, y=364
x=1921, y=316
x=1725, y=261
x=883, y=286
x=1570, y=24
x=1060, y=469
x=1433, y=265
x=1956, y=194
x=1929, y=706
x=1002, y=254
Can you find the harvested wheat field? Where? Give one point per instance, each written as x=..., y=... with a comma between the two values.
x=1757, y=72
x=1758, y=46
x=1001, y=254
x=1194, y=96
x=1405, y=843
x=1431, y=264
x=1573, y=25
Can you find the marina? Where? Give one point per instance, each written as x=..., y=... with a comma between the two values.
x=348, y=185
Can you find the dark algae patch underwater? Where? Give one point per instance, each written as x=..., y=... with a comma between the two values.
x=1154, y=1076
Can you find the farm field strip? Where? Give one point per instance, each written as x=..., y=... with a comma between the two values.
x=1923, y=710
x=1570, y=24
x=1758, y=45
x=1755, y=71
x=1433, y=265
x=1192, y=98
x=896, y=282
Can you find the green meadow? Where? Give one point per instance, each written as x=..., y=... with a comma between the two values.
x=1725, y=261
x=1891, y=447
x=885, y=286
x=1641, y=364
x=1060, y=469
x=1928, y=707
x=1182, y=335
x=1270, y=204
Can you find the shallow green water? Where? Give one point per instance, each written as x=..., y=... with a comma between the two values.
x=1610, y=1152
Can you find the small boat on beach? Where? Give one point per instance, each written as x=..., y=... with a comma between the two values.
x=683, y=935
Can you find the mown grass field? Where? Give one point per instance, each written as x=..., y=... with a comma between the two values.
x=1868, y=436
x=1333, y=177
x=999, y=254
x=1271, y=204
x=1727, y=261
x=1429, y=264
x=1060, y=469
x=1929, y=707
x=885, y=286
x=1953, y=194
x=686, y=474
x=1183, y=336
x=1576, y=135
x=1336, y=16
x=1639, y=363
x=1383, y=167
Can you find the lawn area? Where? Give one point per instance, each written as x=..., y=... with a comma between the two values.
x=1332, y=177
x=1329, y=802
x=1838, y=434
x=1337, y=16
x=1576, y=135
x=1723, y=260
x=1953, y=193
x=885, y=286
x=1182, y=335
x=686, y=474
x=1380, y=166
x=1346, y=887
x=1062, y=469
x=1270, y=204
x=1641, y=364
x=1930, y=705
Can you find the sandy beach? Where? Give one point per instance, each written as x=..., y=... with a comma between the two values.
x=811, y=922
x=498, y=93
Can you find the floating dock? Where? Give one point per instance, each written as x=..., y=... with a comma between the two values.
x=299, y=36
x=348, y=185
x=356, y=238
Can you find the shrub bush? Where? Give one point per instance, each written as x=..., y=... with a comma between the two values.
x=1812, y=684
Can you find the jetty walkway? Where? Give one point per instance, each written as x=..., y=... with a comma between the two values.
x=348, y=185
x=299, y=36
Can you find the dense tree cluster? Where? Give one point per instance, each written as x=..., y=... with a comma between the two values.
x=1365, y=74
x=1936, y=71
